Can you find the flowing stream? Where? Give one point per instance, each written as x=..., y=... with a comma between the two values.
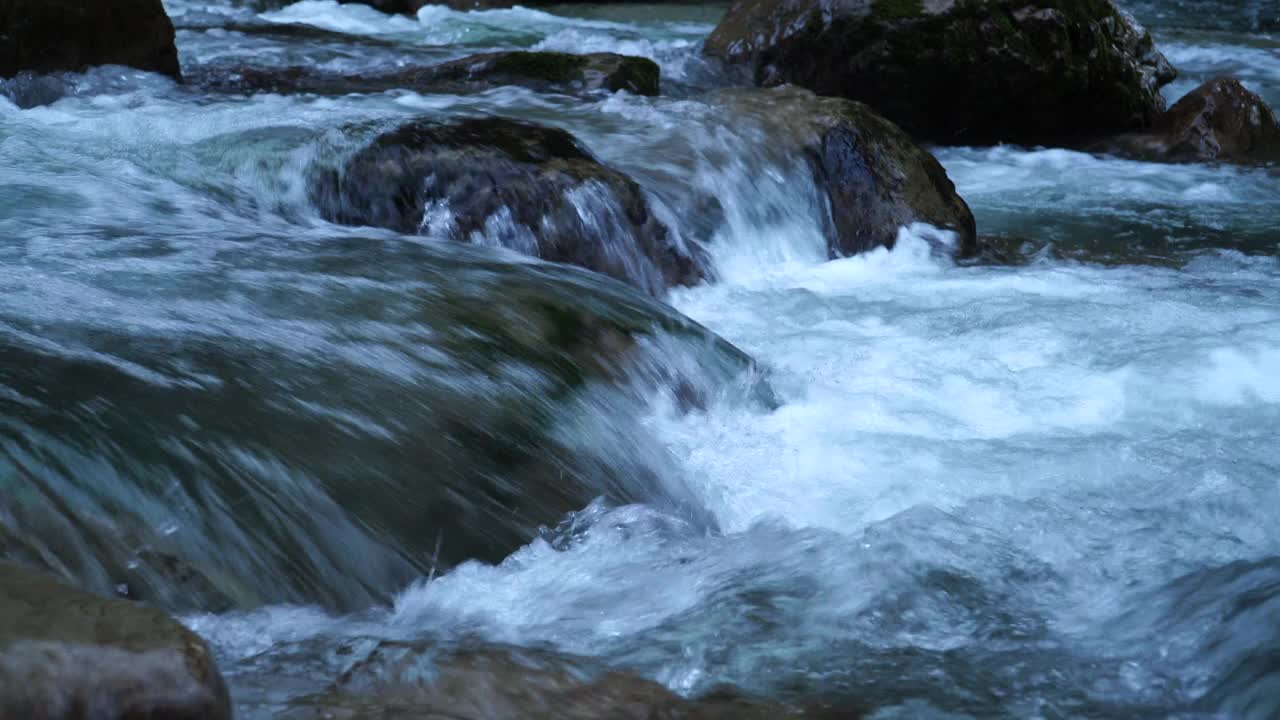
x=1042, y=484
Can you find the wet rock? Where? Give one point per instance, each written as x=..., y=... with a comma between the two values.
x=541, y=71
x=506, y=396
x=66, y=655
x=415, y=680
x=411, y=7
x=501, y=182
x=959, y=71
x=875, y=177
x=45, y=36
x=406, y=7
x=1219, y=121
x=554, y=70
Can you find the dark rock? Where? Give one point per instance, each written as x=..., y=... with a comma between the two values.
x=959, y=71
x=405, y=7
x=411, y=7
x=875, y=177
x=555, y=70
x=67, y=655
x=45, y=36
x=196, y=495
x=541, y=71
x=416, y=680
x=1219, y=121
x=495, y=181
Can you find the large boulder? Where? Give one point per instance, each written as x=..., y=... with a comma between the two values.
x=45, y=36
x=875, y=178
x=68, y=655
x=959, y=71
x=501, y=182
x=540, y=71
x=1220, y=121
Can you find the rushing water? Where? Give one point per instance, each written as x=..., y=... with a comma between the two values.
x=1044, y=484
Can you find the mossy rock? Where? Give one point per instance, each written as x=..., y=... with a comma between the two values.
x=959, y=71
x=897, y=9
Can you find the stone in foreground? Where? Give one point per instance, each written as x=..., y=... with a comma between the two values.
x=68, y=655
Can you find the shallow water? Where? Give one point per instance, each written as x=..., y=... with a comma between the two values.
x=1042, y=484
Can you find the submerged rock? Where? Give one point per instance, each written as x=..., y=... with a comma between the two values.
x=493, y=181
x=959, y=71
x=1221, y=120
x=416, y=680
x=45, y=36
x=554, y=70
x=68, y=655
x=875, y=178
x=442, y=406
x=541, y=71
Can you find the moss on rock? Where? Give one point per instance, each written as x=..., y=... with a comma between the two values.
x=555, y=67
x=897, y=9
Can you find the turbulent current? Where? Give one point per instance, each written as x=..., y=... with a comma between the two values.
x=1043, y=483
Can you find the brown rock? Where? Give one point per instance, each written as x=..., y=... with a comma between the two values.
x=414, y=681
x=68, y=655
x=1219, y=121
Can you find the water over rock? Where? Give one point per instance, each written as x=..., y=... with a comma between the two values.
x=875, y=178
x=44, y=36
x=67, y=655
x=409, y=7
x=1221, y=120
x=541, y=71
x=959, y=71
x=389, y=679
x=431, y=405
x=527, y=187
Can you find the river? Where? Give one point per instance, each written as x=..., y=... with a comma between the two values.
x=1040, y=484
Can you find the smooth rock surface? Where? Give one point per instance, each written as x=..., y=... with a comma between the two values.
x=69, y=655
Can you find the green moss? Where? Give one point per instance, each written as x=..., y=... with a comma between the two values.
x=1005, y=23
x=897, y=9
x=635, y=75
x=554, y=67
